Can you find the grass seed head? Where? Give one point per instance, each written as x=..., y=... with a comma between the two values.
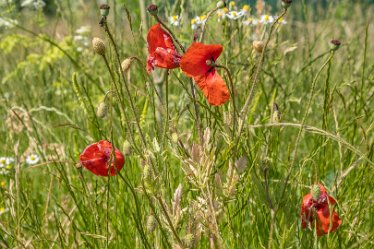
x=126, y=64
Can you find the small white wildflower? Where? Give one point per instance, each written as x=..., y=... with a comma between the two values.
x=39, y=4
x=232, y=5
x=9, y=160
x=32, y=159
x=234, y=15
x=266, y=19
x=174, y=20
x=245, y=9
x=3, y=171
x=250, y=21
x=222, y=13
x=7, y=23
x=83, y=30
x=198, y=21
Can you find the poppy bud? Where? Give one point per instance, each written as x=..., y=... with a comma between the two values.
x=286, y=3
x=316, y=192
x=258, y=46
x=102, y=110
x=104, y=10
x=152, y=9
x=98, y=46
x=221, y=4
x=126, y=64
x=334, y=44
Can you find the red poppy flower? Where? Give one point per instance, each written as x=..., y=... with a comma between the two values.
x=96, y=158
x=194, y=64
x=318, y=209
x=161, y=49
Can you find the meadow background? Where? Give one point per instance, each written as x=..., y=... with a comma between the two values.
x=230, y=191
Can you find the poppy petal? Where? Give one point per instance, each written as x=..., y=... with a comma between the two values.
x=213, y=87
x=166, y=58
x=193, y=62
x=161, y=49
x=157, y=37
x=97, y=156
x=323, y=215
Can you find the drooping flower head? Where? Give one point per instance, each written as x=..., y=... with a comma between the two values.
x=97, y=156
x=317, y=211
x=161, y=49
x=198, y=63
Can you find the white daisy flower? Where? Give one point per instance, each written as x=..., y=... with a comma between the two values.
x=174, y=20
x=234, y=15
x=9, y=160
x=245, y=9
x=232, y=5
x=32, y=159
x=250, y=21
x=3, y=171
x=198, y=21
x=222, y=13
x=266, y=19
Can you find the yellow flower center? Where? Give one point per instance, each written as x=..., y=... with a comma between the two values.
x=2, y=210
x=225, y=10
x=193, y=21
x=2, y=161
x=2, y=184
x=266, y=18
x=246, y=8
x=234, y=14
x=175, y=18
x=203, y=17
x=232, y=4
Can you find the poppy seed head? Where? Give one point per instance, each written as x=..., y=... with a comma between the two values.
x=335, y=44
x=286, y=3
x=316, y=192
x=152, y=9
x=102, y=110
x=104, y=10
x=258, y=46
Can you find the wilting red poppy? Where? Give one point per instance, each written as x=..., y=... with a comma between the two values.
x=317, y=207
x=97, y=156
x=161, y=49
x=198, y=62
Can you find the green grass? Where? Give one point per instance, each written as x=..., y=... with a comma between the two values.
x=239, y=190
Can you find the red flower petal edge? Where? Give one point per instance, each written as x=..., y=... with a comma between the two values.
x=194, y=64
x=161, y=50
x=319, y=212
x=96, y=158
